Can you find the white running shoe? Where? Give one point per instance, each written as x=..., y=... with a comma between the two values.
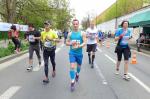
x=117, y=72
x=126, y=77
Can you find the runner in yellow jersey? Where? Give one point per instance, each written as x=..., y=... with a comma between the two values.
x=49, y=39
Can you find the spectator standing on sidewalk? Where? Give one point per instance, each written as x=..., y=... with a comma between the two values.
x=14, y=36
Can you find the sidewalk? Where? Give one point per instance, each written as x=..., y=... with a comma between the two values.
x=4, y=59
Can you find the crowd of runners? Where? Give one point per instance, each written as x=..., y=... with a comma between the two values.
x=47, y=40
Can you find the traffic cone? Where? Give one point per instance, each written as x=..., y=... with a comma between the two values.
x=134, y=61
x=108, y=44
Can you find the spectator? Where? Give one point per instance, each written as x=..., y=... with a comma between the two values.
x=14, y=36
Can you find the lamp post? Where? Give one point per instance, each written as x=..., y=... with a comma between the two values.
x=116, y=25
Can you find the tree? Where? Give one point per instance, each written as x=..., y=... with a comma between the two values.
x=36, y=11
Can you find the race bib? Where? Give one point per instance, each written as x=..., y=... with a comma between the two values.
x=92, y=36
x=125, y=40
x=48, y=44
x=31, y=38
x=75, y=43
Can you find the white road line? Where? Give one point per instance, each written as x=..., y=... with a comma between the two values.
x=140, y=82
x=57, y=50
x=135, y=78
x=100, y=74
x=110, y=58
x=99, y=49
x=13, y=61
x=37, y=68
x=10, y=92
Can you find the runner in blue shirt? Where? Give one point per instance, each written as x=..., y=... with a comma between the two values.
x=76, y=40
x=122, y=36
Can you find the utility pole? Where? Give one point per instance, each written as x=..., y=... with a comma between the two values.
x=116, y=25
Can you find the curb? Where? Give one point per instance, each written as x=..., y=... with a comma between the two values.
x=7, y=58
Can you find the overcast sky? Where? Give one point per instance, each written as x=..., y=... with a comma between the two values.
x=95, y=7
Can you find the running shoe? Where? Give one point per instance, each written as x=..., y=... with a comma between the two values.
x=72, y=87
x=53, y=74
x=77, y=77
x=30, y=68
x=46, y=81
x=92, y=65
x=126, y=77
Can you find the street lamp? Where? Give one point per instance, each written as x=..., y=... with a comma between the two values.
x=116, y=25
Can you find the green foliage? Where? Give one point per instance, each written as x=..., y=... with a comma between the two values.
x=4, y=52
x=37, y=11
x=24, y=46
x=10, y=49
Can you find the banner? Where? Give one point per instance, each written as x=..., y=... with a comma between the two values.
x=6, y=27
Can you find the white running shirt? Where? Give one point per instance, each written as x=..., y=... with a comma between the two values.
x=92, y=34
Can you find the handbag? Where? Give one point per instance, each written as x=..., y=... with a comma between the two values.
x=129, y=51
x=118, y=46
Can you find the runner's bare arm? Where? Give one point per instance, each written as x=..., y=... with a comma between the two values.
x=84, y=40
x=116, y=38
x=68, y=43
x=97, y=38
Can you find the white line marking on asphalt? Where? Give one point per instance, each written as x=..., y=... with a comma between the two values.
x=10, y=92
x=99, y=49
x=100, y=74
x=13, y=61
x=37, y=68
x=140, y=82
x=135, y=78
x=110, y=58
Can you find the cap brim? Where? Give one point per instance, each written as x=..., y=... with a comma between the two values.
x=47, y=24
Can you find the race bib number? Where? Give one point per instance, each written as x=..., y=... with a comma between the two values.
x=48, y=44
x=125, y=40
x=31, y=38
x=92, y=36
x=75, y=43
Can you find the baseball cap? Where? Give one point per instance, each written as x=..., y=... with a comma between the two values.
x=47, y=22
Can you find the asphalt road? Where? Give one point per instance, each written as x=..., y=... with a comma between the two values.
x=98, y=83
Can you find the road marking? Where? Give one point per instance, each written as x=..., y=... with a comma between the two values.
x=10, y=92
x=140, y=82
x=99, y=49
x=37, y=68
x=110, y=58
x=135, y=78
x=100, y=74
x=13, y=61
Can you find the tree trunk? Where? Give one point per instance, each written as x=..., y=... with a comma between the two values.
x=11, y=10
